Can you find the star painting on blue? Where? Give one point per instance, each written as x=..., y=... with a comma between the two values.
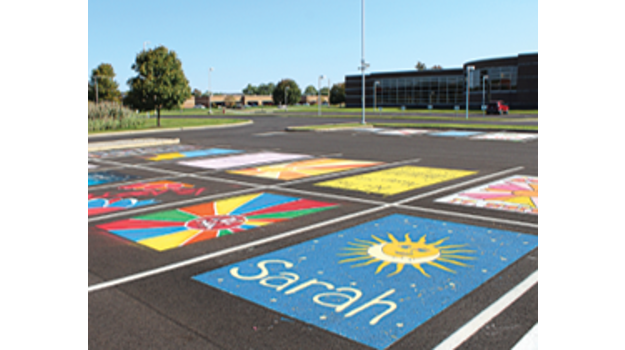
x=375, y=282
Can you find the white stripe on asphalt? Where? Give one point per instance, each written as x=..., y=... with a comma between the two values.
x=479, y=321
x=529, y=340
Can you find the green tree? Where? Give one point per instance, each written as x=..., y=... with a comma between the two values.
x=250, y=90
x=294, y=93
x=436, y=66
x=310, y=91
x=265, y=89
x=197, y=93
x=108, y=89
x=324, y=91
x=337, y=93
x=160, y=82
x=420, y=66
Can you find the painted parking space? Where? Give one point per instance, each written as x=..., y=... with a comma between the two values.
x=190, y=154
x=395, y=181
x=140, y=151
x=506, y=136
x=144, y=194
x=516, y=193
x=304, y=168
x=375, y=282
x=236, y=161
x=106, y=177
x=455, y=133
x=183, y=226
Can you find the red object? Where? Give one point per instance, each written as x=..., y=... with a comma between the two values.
x=497, y=107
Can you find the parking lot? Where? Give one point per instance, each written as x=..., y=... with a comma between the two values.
x=256, y=238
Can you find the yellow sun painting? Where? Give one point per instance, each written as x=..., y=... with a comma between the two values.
x=406, y=252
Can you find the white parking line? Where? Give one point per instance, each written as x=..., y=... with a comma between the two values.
x=529, y=340
x=479, y=321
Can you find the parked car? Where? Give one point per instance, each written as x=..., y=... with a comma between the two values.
x=199, y=107
x=497, y=107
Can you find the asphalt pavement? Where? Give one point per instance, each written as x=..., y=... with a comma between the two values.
x=357, y=240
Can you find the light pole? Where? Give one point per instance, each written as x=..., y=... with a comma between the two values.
x=321, y=77
x=210, y=91
x=145, y=42
x=328, y=92
x=484, y=94
x=469, y=69
x=363, y=65
x=286, y=101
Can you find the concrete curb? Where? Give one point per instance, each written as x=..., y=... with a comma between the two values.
x=187, y=128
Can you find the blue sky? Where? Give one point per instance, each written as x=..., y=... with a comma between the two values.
x=265, y=41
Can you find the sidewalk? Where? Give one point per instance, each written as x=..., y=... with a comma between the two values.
x=128, y=143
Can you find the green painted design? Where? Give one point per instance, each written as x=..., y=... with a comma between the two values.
x=169, y=215
x=288, y=214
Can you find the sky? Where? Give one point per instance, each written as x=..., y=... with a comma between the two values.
x=255, y=42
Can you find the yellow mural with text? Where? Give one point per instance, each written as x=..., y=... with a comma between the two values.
x=397, y=180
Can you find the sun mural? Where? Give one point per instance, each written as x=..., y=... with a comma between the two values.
x=183, y=226
x=406, y=252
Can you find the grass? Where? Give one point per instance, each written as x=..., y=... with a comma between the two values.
x=179, y=123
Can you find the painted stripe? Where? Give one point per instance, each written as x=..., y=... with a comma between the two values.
x=529, y=340
x=479, y=321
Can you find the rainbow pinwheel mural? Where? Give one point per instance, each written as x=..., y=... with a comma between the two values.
x=183, y=226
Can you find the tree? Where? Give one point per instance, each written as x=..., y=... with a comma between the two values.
x=108, y=89
x=420, y=66
x=197, y=93
x=160, y=82
x=337, y=93
x=265, y=89
x=324, y=91
x=310, y=91
x=294, y=93
x=436, y=66
x=230, y=101
x=250, y=90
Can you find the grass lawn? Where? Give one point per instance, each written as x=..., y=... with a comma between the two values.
x=177, y=123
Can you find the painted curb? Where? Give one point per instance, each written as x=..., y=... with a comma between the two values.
x=186, y=128
x=296, y=128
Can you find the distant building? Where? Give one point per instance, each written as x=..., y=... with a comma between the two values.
x=511, y=79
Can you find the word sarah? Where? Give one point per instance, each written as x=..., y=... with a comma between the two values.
x=284, y=280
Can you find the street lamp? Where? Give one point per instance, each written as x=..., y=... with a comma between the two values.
x=210, y=91
x=286, y=101
x=363, y=64
x=469, y=69
x=321, y=77
x=145, y=42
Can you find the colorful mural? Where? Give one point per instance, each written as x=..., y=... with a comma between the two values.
x=397, y=180
x=506, y=136
x=242, y=160
x=376, y=282
x=454, y=133
x=404, y=132
x=191, y=154
x=516, y=193
x=104, y=177
x=304, y=168
x=130, y=152
x=184, y=226
x=111, y=202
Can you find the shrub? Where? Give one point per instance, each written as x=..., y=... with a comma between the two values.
x=113, y=116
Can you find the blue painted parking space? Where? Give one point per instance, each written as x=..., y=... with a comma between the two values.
x=374, y=282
